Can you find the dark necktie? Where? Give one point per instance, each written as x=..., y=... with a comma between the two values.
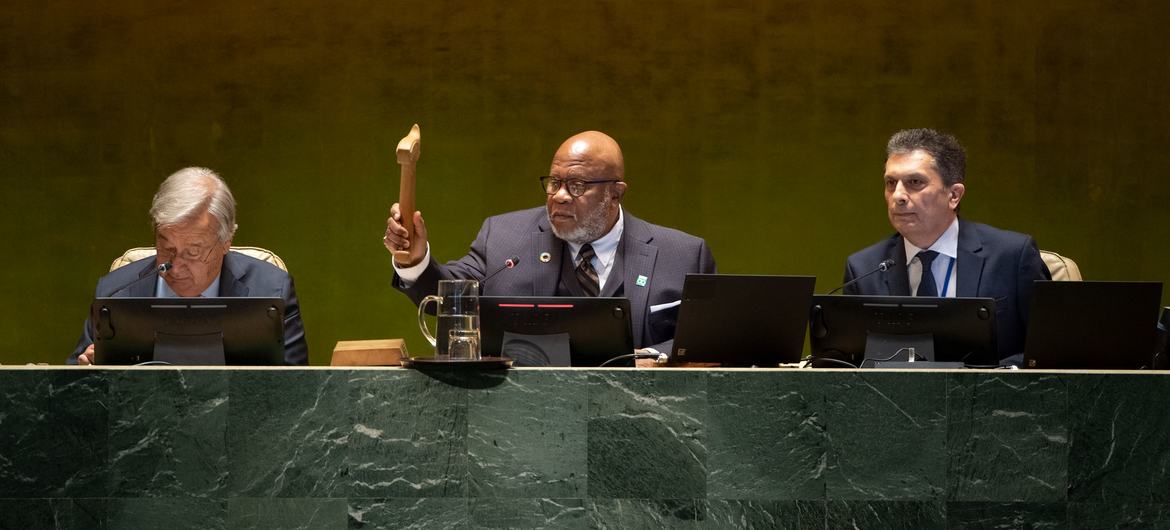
x=927, y=287
x=586, y=276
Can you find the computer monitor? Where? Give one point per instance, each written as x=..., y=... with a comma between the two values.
x=742, y=320
x=556, y=331
x=189, y=331
x=1092, y=325
x=868, y=331
x=1162, y=347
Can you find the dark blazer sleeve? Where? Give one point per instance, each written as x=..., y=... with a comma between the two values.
x=1031, y=268
x=105, y=287
x=83, y=342
x=469, y=267
x=296, y=348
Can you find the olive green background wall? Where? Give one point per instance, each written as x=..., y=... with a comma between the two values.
x=757, y=125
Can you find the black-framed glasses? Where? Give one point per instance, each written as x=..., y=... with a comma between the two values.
x=576, y=187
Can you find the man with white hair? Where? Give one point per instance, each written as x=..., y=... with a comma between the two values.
x=194, y=215
x=580, y=243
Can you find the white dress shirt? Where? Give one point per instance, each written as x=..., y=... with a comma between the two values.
x=162, y=290
x=947, y=246
x=605, y=248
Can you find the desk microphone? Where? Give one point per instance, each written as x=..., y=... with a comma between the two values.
x=161, y=269
x=883, y=267
x=509, y=263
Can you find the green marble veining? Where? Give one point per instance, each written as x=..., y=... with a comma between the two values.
x=1006, y=515
x=766, y=436
x=287, y=514
x=287, y=433
x=877, y=515
x=154, y=448
x=1027, y=439
x=527, y=437
x=773, y=514
x=409, y=512
x=646, y=435
x=173, y=513
x=886, y=434
x=1120, y=439
x=646, y=513
x=1093, y=516
x=60, y=514
x=54, y=427
x=406, y=436
x=528, y=513
x=167, y=434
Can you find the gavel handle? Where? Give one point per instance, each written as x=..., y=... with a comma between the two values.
x=408, y=151
x=406, y=197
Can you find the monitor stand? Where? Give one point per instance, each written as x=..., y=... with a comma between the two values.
x=886, y=347
x=880, y=350
x=189, y=349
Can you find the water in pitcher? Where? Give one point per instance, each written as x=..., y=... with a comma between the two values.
x=454, y=322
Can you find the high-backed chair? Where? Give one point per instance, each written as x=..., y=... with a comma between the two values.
x=137, y=253
x=1061, y=268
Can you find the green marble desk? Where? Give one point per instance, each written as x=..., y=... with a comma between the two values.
x=680, y=448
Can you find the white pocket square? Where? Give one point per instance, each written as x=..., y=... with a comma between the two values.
x=668, y=305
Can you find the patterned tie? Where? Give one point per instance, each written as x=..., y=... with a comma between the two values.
x=927, y=287
x=586, y=276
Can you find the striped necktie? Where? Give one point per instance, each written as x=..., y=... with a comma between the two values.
x=586, y=276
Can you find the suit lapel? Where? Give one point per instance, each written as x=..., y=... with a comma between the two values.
x=970, y=261
x=145, y=288
x=639, y=257
x=569, y=274
x=548, y=273
x=231, y=282
x=897, y=278
x=614, y=281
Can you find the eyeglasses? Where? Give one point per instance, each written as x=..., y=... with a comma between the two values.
x=190, y=254
x=576, y=187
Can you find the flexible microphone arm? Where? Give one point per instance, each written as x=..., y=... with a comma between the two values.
x=161, y=269
x=508, y=264
x=882, y=267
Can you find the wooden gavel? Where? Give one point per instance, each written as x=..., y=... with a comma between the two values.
x=408, y=149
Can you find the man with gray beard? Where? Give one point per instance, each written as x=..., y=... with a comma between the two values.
x=581, y=243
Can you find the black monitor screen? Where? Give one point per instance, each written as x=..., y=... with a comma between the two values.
x=866, y=330
x=1092, y=325
x=556, y=331
x=192, y=331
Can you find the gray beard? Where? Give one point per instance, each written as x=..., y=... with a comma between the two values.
x=589, y=229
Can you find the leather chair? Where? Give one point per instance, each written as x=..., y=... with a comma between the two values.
x=1062, y=268
x=137, y=253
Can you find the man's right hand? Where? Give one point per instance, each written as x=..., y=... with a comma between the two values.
x=86, y=357
x=408, y=249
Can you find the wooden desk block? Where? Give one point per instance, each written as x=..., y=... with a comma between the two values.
x=378, y=352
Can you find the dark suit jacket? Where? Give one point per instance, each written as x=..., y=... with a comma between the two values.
x=663, y=255
x=992, y=263
x=241, y=276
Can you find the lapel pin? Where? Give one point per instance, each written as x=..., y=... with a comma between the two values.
x=545, y=257
x=641, y=281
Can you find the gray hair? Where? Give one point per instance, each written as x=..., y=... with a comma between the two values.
x=189, y=192
x=950, y=160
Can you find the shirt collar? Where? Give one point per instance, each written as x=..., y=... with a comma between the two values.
x=162, y=290
x=947, y=244
x=605, y=246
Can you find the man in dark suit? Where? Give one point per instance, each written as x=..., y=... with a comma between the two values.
x=581, y=243
x=924, y=177
x=194, y=216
